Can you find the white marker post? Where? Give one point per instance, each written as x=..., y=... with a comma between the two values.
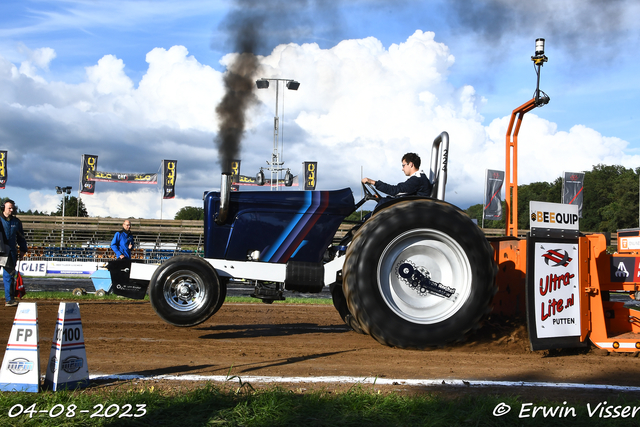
x=67, y=367
x=21, y=364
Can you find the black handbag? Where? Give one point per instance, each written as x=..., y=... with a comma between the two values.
x=4, y=248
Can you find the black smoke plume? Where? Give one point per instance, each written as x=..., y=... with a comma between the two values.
x=584, y=28
x=239, y=83
x=250, y=27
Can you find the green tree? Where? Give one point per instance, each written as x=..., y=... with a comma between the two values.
x=190, y=213
x=537, y=192
x=71, y=207
x=610, y=199
x=475, y=212
x=357, y=215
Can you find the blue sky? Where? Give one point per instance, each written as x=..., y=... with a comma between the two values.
x=136, y=82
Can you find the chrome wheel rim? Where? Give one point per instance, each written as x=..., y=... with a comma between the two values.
x=184, y=291
x=437, y=256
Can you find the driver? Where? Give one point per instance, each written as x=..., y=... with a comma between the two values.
x=418, y=183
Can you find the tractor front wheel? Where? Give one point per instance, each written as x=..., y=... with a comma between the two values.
x=186, y=291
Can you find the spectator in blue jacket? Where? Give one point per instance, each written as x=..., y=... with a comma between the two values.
x=14, y=237
x=122, y=242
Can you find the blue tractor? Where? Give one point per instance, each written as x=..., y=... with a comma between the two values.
x=415, y=273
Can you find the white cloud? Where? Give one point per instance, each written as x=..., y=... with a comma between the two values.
x=144, y=203
x=360, y=104
x=363, y=105
x=108, y=77
x=36, y=59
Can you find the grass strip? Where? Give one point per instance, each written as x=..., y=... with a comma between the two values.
x=141, y=404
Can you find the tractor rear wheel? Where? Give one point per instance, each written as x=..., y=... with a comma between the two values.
x=186, y=291
x=419, y=274
x=340, y=303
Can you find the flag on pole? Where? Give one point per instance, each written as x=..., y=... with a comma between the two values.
x=3, y=169
x=310, y=177
x=572, y=186
x=89, y=163
x=493, y=195
x=169, y=173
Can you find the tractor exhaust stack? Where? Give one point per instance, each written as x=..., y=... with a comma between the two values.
x=225, y=194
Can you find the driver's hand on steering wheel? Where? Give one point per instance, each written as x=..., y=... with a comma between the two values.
x=368, y=181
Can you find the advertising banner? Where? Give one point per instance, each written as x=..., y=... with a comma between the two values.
x=70, y=267
x=553, y=216
x=235, y=174
x=3, y=169
x=129, y=178
x=89, y=163
x=169, y=173
x=310, y=177
x=493, y=195
x=572, y=186
x=251, y=180
x=33, y=268
x=556, y=290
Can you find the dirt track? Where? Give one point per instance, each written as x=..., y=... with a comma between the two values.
x=126, y=337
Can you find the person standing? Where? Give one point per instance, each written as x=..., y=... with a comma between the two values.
x=14, y=237
x=122, y=242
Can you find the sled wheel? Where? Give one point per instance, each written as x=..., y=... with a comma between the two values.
x=100, y=293
x=419, y=274
x=185, y=290
x=77, y=292
x=340, y=303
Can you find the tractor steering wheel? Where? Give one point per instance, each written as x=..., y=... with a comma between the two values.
x=370, y=192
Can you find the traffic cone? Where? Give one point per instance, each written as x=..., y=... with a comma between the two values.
x=21, y=364
x=67, y=367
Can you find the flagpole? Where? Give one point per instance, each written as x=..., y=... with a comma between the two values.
x=486, y=172
x=161, y=191
x=79, y=188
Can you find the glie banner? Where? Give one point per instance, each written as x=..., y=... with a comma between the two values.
x=556, y=285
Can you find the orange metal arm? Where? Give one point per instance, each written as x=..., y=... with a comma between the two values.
x=511, y=169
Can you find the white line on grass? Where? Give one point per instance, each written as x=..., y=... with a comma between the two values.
x=367, y=380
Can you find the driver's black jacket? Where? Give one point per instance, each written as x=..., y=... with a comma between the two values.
x=418, y=184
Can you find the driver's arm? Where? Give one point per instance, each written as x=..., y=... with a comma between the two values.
x=368, y=181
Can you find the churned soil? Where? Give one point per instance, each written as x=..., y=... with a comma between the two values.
x=128, y=338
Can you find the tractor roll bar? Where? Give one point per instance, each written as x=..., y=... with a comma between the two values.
x=438, y=166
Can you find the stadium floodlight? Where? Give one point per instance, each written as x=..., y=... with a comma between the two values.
x=276, y=163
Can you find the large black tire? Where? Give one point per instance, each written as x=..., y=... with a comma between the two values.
x=186, y=291
x=340, y=303
x=405, y=253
